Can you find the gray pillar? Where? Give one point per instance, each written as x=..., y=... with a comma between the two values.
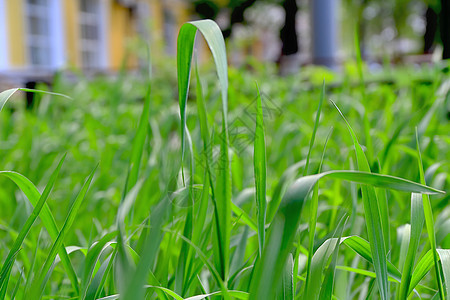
x=324, y=28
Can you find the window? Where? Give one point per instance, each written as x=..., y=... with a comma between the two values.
x=37, y=28
x=90, y=33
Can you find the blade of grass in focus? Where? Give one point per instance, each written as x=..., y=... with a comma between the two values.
x=429, y=221
x=6, y=95
x=281, y=233
x=259, y=164
x=417, y=220
x=373, y=219
x=222, y=200
x=33, y=195
x=444, y=255
x=38, y=286
x=7, y=265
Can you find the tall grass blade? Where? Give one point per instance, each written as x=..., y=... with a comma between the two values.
x=316, y=125
x=138, y=145
x=259, y=164
x=7, y=265
x=91, y=259
x=222, y=201
x=429, y=221
x=33, y=195
x=444, y=254
x=373, y=219
x=37, y=289
x=281, y=233
x=6, y=95
x=313, y=220
x=417, y=220
x=287, y=282
x=422, y=268
x=318, y=262
x=326, y=291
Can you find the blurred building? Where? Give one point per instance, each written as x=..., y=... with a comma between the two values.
x=38, y=37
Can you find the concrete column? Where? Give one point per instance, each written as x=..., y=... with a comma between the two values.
x=324, y=26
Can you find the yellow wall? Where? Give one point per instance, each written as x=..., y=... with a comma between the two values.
x=16, y=32
x=121, y=30
x=156, y=18
x=72, y=33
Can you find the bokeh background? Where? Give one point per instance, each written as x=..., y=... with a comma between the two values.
x=40, y=37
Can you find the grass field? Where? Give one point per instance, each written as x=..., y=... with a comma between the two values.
x=319, y=185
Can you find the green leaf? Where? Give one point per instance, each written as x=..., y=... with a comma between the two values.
x=326, y=291
x=316, y=125
x=313, y=220
x=417, y=220
x=373, y=215
x=222, y=196
x=38, y=286
x=6, y=95
x=91, y=260
x=33, y=195
x=444, y=254
x=429, y=221
x=7, y=265
x=259, y=164
x=287, y=282
x=422, y=268
x=138, y=145
x=282, y=230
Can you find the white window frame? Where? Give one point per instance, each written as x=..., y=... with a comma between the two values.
x=97, y=18
x=38, y=40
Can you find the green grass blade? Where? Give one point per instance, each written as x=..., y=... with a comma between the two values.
x=316, y=125
x=33, y=195
x=326, y=291
x=222, y=201
x=91, y=260
x=6, y=95
x=138, y=145
x=287, y=281
x=184, y=262
x=124, y=267
x=444, y=255
x=134, y=289
x=7, y=265
x=259, y=164
x=315, y=287
x=429, y=221
x=284, y=182
x=417, y=220
x=281, y=233
x=422, y=268
x=362, y=247
x=366, y=124
x=313, y=220
x=373, y=218
x=185, y=45
x=38, y=286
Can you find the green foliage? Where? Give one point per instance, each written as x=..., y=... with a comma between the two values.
x=238, y=193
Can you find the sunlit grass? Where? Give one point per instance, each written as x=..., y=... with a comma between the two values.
x=236, y=191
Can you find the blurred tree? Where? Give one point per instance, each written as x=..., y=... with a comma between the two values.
x=445, y=27
x=288, y=34
x=431, y=18
x=206, y=9
x=437, y=19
